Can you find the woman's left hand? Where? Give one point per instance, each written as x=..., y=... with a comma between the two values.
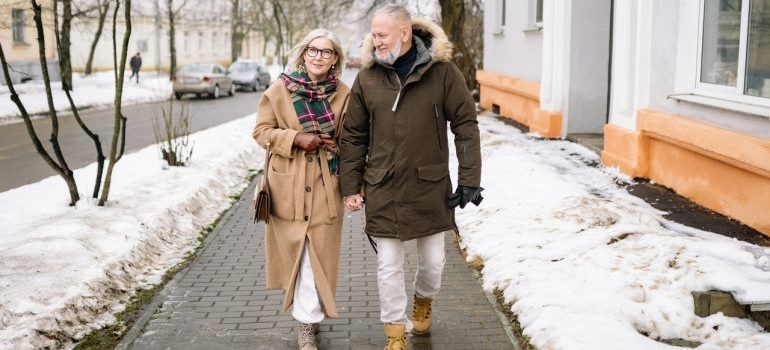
x=328, y=143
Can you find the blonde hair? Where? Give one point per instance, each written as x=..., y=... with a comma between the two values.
x=297, y=52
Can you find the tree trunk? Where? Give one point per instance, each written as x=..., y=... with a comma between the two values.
x=63, y=41
x=103, y=9
x=235, y=29
x=63, y=169
x=171, y=39
x=453, y=21
x=64, y=51
x=120, y=120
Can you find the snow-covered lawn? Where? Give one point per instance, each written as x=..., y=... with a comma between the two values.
x=64, y=270
x=589, y=266
x=95, y=90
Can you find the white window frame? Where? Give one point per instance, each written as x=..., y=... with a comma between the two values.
x=532, y=22
x=499, y=14
x=729, y=93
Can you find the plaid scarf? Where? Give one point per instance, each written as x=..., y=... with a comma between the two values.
x=311, y=102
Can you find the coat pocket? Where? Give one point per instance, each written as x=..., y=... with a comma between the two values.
x=281, y=186
x=374, y=176
x=433, y=172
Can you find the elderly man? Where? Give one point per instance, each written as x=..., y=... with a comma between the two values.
x=394, y=153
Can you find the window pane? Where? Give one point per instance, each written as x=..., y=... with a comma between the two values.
x=721, y=39
x=18, y=25
x=758, y=51
x=539, y=13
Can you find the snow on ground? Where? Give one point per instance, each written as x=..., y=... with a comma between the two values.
x=64, y=270
x=589, y=266
x=97, y=89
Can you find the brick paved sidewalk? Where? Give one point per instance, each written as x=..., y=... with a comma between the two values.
x=220, y=301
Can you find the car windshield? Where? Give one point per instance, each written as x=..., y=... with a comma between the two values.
x=197, y=68
x=243, y=67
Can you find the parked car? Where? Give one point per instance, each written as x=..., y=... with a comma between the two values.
x=249, y=75
x=202, y=78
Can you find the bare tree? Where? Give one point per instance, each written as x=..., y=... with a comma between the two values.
x=172, y=132
x=454, y=14
x=102, y=8
x=173, y=10
x=59, y=164
x=63, y=47
x=119, y=129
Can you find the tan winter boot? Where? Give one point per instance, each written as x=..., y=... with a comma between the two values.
x=306, y=336
x=396, y=334
x=421, y=316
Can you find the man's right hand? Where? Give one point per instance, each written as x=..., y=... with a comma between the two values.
x=354, y=202
x=308, y=142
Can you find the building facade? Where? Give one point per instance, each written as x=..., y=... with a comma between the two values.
x=18, y=36
x=202, y=34
x=679, y=90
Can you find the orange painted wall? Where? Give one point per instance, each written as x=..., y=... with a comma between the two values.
x=723, y=170
x=518, y=99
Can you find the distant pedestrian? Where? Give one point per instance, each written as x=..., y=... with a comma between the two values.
x=298, y=120
x=136, y=65
x=394, y=152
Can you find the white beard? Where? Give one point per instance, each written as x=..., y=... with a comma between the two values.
x=391, y=57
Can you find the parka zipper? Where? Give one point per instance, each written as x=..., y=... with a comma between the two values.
x=398, y=96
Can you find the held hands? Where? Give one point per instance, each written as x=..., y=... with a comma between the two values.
x=354, y=202
x=464, y=195
x=310, y=142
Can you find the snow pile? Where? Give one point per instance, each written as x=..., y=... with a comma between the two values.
x=97, y=89
x=64, y=270
x=588, y=266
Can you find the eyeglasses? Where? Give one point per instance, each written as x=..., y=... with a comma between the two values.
x=313, y=52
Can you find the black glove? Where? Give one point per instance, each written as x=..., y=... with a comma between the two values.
x=464, y=195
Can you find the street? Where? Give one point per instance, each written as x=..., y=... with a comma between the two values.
x=20, y=164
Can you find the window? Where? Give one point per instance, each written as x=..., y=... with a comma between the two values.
x=758, y=50
x=535, y=15
x=18, y=26
x=187, y=45
x=734, y=50
x=200, y=41
x=141, y=45
x=499, y=14
x=213, y=40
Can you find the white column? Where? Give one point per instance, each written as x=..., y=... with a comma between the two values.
x=554, y=84
x=631, y=60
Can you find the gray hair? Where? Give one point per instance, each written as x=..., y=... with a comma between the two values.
x=297, y=52
x=395, y=11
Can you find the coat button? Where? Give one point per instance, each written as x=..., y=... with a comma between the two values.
x=307, y=189
x=309, y=159
x=306, y=218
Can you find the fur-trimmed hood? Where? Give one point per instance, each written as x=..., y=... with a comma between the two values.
x=433, y=36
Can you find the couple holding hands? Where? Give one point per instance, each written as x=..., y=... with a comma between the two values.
x=384, y=140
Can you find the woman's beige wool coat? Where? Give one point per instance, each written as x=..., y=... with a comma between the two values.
x=306, y=199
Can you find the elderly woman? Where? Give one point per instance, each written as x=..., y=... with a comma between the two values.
x=298, y=119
